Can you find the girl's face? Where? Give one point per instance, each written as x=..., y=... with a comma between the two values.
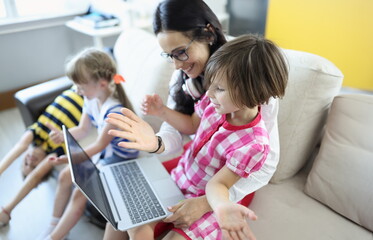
x=92, y=88
x=218, y=93
x=198, y=52
x=33, y=157
x=89, y=90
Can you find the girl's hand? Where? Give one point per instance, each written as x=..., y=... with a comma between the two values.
x=232, y=219
x=140, y=134
x=187, y=211
x=55, y=134
x=58, y=160
x=153, y=105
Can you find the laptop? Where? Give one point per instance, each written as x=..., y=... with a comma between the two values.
x=127, y=194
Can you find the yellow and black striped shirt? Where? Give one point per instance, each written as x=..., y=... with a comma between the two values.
x=66, y=110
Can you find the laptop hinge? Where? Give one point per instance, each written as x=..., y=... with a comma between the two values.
x=111, y=202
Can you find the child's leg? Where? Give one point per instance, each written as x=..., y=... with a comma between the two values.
x=143, y=232
x=61, y=199
x=62, y=193
x=112, y=234
x=71, y=216
x=16, y=151
x=31, y=181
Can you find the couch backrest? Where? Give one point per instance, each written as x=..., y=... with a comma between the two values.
x=313, y=83
x=139, y=61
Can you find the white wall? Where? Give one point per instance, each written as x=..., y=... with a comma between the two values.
x=33, y=56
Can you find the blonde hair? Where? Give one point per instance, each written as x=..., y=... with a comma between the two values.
x=254, y=67
x=97, y=65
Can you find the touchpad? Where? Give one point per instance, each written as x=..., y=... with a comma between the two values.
x=166, y=188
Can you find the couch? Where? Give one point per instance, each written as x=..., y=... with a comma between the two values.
x=321, y=187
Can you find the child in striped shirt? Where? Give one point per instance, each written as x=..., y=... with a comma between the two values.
x=66, y=109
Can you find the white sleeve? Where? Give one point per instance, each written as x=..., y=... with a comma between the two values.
x=171, y=138
x=260, y=178
x=86, y=106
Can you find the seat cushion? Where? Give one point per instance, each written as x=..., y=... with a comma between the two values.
x=342, y=174
x=285, y=212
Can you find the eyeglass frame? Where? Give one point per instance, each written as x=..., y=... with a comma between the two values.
x=170, y=56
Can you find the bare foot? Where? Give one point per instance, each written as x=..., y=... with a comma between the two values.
x=4, y=217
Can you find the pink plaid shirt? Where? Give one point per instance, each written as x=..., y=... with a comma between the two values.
x=217, y=143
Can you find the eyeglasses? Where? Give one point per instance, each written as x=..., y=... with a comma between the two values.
x=180, y=55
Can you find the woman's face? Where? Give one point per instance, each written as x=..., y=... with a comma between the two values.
x=171, y=42
x=33, y=157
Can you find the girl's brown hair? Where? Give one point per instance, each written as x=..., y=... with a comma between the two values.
x=97, y=65
x=255, y=69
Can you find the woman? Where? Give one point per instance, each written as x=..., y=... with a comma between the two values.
x=189, y=33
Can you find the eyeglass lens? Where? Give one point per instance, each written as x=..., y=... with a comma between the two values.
x=180, y=55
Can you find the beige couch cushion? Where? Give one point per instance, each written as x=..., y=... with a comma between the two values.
x=139, y=61
x=313, y=83
x=342, y=174
x=285, y=212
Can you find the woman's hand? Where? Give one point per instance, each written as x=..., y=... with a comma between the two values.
x=187, y=211
x=55, y=134
x=232, y=219
x=140, y=134
x=153, y=105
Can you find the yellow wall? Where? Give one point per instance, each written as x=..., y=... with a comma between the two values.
x=339, y=30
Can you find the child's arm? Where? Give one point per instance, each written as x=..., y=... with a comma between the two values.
x=187, y=211
x=78, y=132
x=83, y=128
x=184, y=123
x=137, y=131
x=31, y=181
x=102, y=141
x=232, y=217
x=17, y=150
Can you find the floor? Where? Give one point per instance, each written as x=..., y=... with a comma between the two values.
x=33, y=214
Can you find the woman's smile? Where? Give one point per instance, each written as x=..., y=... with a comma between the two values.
x=188, y=70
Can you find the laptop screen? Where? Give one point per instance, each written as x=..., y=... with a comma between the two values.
x=86, y=176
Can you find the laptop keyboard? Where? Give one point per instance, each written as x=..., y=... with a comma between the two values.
x=138, y=197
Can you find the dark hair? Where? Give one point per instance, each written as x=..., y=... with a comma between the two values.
x=195, y=20
x=99, y=65
x=255, y=69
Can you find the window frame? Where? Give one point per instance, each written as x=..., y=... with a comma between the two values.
x=14, y=23
x=11, y=11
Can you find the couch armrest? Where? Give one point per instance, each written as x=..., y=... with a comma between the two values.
x=32, y=101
